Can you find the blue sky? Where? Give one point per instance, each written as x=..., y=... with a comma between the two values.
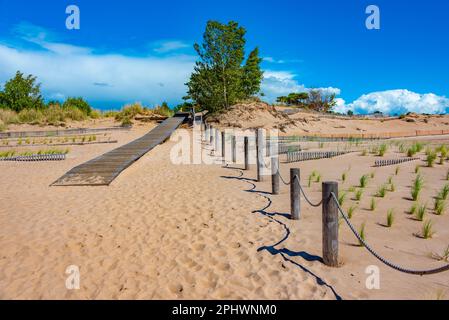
x=142, y=50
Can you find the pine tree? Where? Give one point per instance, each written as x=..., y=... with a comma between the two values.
x=219, y=80
x=252, y=74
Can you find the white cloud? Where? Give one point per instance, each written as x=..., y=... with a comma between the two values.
x=169, y=46
x=396, y=101
x=280, y=61
x=279, y=83
x=66, y=70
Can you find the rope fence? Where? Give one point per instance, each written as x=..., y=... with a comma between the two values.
x=331, y=208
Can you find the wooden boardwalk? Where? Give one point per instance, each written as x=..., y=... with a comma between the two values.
x=102, y=170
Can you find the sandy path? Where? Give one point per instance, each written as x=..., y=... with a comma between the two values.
x=159, y=231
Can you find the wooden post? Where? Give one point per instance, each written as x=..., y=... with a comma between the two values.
x=223, y=146
x=217, y=134
x=295, y=202
x=234, y=149
x=275, y=175
x=246, y=150
x=260, y=154
x=211, y=134
x=207, y=133
x=330, y=224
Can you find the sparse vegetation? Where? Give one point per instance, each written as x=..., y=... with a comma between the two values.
x=431, y=157
x=373, y=204
x=444, y=192
x=341, y=198
x=396, y=171
x=417, y=186
x=363, y=181
x=420, y=212
x=358, y=195
x=362, y=234
x=413, y=209
x=383, y=148
x=351, y=211
x=382, y=191
x=443, y=257
x=439, y=206
x=427, y=230
x=390, y=218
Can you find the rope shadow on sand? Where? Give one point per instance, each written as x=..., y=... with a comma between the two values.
x=284, y=251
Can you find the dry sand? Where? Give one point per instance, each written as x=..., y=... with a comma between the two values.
x=165, y=231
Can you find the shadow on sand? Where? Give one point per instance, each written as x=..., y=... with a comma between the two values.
x=284, y=252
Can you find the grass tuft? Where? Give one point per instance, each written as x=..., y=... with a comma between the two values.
x=417, y=186
x=427, y=230
x=390, y=218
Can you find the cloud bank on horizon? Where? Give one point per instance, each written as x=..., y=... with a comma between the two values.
x=68, y=70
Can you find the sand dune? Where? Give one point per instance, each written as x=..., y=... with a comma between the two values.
x=165, y=231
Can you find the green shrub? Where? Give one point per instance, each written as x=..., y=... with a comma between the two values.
x=130, y=112
x=126, y=122
x=78, y=103
x=358, y=195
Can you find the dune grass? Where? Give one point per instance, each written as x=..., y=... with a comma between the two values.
x=444, y=192
x=413, y=209
x=439, y=206
x=364, y=181
x=382, y=191
x=420, y=212
x=431, y=157
x=427, y=230
x=343, y=177
x=351, y=211
x=390, y=218
x=396, y=171
x=443, y=257
x=358, y=195
x=362, y=233
x=342, y=198
x=383, y=148
x=417, y=186
x=373, y=204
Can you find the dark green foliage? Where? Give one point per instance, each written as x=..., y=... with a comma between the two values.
x=219, y=79
x=21, y=93
x=78, y=103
